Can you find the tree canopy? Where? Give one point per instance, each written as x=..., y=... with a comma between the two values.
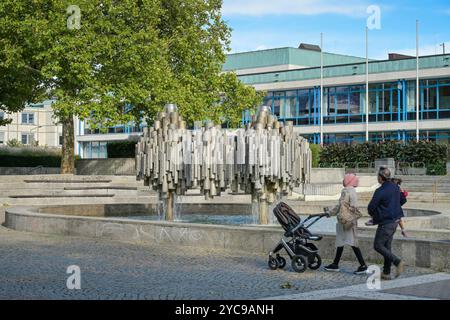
x=99, y=57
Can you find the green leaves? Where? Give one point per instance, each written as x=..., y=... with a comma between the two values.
x=431, y=154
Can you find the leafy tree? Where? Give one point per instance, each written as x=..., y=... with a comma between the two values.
x=18, y=78
x=117, y=54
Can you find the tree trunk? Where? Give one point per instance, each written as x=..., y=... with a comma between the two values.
x=68, y=146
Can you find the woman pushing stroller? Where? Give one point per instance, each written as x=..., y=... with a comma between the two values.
x=347, y=216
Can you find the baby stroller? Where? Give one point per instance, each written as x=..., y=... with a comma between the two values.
x=303, y=254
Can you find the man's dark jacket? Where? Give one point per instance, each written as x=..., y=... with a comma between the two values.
x=386, y=204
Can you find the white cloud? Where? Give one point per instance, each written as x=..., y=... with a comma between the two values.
x=294, y=7
x=261, y=47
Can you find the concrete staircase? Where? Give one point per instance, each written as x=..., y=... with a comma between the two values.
x=70, y=189
x=426, y=184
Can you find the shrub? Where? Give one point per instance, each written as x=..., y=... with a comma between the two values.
x=433, y=155
x=29, y=157
x=315, y=151
x=14, y=143
x=121, y=149
x=437, y=169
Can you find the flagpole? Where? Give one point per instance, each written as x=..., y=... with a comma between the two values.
x=417, y=81
x=367, y=84
x=321, y=89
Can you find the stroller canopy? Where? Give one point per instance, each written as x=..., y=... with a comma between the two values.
x=286, y=216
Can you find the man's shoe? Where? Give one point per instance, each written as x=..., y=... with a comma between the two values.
x=385, y=276
x=332, y=267
x=399, y=269
x=361, y=270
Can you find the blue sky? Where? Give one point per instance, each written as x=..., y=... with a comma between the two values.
x=262, y=24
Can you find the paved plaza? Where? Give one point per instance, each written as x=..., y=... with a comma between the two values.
x=33, y=266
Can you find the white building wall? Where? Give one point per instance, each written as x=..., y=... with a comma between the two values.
x=42, y=129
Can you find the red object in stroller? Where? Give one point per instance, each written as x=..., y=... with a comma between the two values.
x=302, y=253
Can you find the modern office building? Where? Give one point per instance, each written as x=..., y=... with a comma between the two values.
x=291, y=78
x=34, y=125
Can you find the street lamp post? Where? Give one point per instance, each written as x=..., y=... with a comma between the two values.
x=35, y=128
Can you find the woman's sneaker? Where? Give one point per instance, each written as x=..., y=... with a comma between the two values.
x=332, y=267
x=361, y=270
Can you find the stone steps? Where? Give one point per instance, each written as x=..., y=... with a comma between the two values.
x=49, y=196
x=78, y=200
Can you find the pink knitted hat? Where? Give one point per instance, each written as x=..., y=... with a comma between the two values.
x=350, y=180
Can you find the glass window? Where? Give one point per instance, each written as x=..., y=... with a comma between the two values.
x=95, y=149
x=356, y=104
x=278, y=103
x=290, y=110
x=303, y=103
x=60, y=140
x=87, y=154
x=385, y=105
x=28, y=118
x=429, y=98
x=2, y=137
x=27, y=138
x=342, y=104
x=395, y=98
x=444, y=97
x=102, y=150
x=411, y=96
x=373, y=98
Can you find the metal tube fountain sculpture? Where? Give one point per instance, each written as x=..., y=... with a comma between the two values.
x=264, y=159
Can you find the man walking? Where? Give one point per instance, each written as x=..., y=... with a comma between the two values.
x=385, y=209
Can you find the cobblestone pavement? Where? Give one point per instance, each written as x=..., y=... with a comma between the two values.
x=33, y=266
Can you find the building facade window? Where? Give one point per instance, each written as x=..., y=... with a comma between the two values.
x=2, y=138
x=27, y=138
x=27, y=118
x=94, y=150
x=390, y=101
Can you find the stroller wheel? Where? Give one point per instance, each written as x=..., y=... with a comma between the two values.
x=299, y=263
x=273, y=263
x=315, y=262
x=281, y=262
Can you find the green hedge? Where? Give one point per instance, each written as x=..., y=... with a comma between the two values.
x=121, y=149
x=433, y=155
x=29, y=157
x=316, y=149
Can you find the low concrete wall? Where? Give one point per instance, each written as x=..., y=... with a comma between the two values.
x=427, y=254
x=28, y=170
x=140, y=209
x=117, y=166
x=327, y=175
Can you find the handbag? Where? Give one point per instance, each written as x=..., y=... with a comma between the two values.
x=348, y=215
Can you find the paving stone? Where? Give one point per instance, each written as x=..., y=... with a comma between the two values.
x=33, y=266
x=435, y=290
